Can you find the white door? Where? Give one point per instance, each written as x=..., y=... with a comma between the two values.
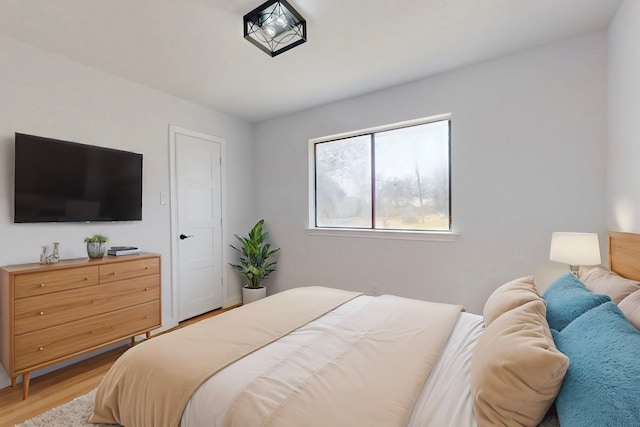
x=198, y=229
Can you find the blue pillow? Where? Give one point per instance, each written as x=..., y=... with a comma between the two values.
x=602, y=384
x=567, y=298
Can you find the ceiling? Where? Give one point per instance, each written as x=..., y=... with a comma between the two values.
x=194, y=49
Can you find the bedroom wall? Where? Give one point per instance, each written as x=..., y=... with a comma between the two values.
x=48, y=95
x=528, y=158
x=624, y=124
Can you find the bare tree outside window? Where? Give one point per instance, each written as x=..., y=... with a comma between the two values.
x=396, y=179
x=343, y=183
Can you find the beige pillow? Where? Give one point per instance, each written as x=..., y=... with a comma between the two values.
x=509, y=296
x=599, y=280
x=583, y=269
x=630, y=306
x=516, y=370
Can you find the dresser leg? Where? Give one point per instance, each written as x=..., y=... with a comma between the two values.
x=25, y=385
x=148, y=335
x=14, y=382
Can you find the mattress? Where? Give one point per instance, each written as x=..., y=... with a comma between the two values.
x=445, y=399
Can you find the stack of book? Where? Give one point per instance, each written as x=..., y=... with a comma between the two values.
x=123, y=250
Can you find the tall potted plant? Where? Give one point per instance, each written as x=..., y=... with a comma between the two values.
x=255, y=265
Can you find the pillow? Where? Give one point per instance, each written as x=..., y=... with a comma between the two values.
x=567, y=298
x=602, y=281
x=516, y=370
x=630, y=307
x=509, y=296
x=601, y=387
x=583, y=269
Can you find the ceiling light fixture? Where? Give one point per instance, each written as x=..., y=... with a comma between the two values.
x=275, y=27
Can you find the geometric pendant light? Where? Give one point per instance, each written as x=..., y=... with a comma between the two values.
x=275, y=27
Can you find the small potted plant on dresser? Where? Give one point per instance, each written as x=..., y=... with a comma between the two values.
x=255, y=265
x=96, y=247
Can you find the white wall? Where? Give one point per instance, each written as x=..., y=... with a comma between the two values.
x=48, y=95
x=528, y=158
x=624, y=119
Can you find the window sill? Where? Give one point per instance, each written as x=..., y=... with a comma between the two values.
x=435, y=236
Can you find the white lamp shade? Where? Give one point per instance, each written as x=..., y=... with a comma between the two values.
x=575, y=248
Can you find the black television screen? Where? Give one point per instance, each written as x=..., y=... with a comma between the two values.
x=62, y=181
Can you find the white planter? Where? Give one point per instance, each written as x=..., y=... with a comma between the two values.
x=251, y=295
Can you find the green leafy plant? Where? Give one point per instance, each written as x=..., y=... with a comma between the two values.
x=96, y=238
x=255, y=253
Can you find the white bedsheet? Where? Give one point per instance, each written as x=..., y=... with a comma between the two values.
x=444, y=401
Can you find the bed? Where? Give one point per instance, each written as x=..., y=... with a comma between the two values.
x=317, y=356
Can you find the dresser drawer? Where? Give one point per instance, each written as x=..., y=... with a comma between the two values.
x=43, y=346
x=127, y=270
x=46, y=282
x=44, y=311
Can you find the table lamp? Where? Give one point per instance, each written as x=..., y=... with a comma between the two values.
x=575, y=249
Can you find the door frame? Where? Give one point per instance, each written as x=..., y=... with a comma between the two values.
x=173, y=201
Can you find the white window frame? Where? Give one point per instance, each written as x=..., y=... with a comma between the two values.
x=442, y=236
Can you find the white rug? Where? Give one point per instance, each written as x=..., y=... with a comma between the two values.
x=73, y=414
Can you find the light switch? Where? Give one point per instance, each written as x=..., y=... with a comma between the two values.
x=164, y=198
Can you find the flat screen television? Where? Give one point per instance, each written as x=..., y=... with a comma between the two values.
x=63, y=181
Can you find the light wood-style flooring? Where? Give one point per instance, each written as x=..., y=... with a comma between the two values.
x=63, y=385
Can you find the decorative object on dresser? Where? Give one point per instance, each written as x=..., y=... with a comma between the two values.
x=254, y=262
x=123, y=250
x=54, y=312
x=50, y=258
x=96, y=247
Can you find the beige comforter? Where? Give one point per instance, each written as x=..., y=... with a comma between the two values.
x=378, y=382
x=151, y=383
x=366, y=371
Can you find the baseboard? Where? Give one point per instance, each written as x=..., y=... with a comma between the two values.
x=166, y=325
x=235, y=300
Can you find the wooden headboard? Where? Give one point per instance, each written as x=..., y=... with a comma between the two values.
x=624, y=254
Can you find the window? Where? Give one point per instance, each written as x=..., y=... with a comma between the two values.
x=391, y=178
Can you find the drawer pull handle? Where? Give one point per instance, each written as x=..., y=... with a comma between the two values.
x=146, y=289
x=41, y=349
x=92, y=332
x=42, y=313
x=114, y=273
x=146, y=317
x=86, y=277
x=91, y=302
x=42, y=285
x=147, y=268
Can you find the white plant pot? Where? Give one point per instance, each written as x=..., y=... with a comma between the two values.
x=251, y=295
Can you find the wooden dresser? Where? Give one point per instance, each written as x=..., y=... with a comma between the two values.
x=53, y=312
